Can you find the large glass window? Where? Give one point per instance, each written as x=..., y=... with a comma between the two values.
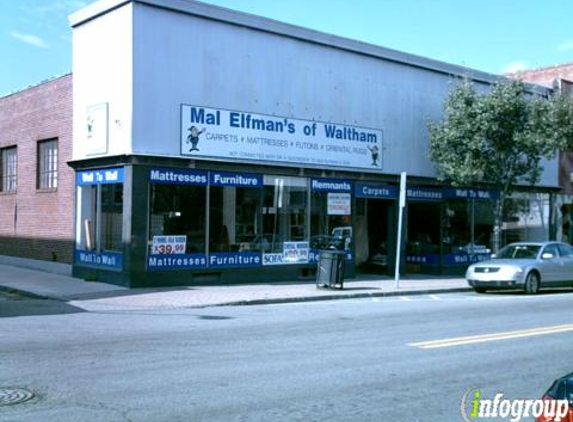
x=100, y=223
x=179, y=210
x=423, y=228
x=526, y=218
x=47, y=164
x=99, y=230
x=468, y=226
x=8, y=169
x=234, y=223
x=284, y=212
x=331, y=220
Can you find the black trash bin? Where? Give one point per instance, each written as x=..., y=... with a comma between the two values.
x=330, y=269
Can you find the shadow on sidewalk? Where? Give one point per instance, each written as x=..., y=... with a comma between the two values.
x=19, y=307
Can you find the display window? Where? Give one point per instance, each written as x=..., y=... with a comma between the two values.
x=177, y=221
x=526, y=217
x=235, y=223
x=284, y=214
x=331, y=216
x=467, y=230
x=423, y=227
x=99, y=219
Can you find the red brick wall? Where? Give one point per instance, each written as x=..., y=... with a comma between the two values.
x=34, y=223
x=545, y=76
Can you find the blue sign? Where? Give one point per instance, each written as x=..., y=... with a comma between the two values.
x=423, y=259
x=314, y=255
x=106, y=260
x=176, y=262
x=235, y=259
x=424, y=194
x=369, y=190
x=178, y=177
x=331, y=185
x=247, y=180
x=100, y=177
x=461, y=258
x=470, y=193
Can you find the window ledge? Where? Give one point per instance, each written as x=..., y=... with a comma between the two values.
x=46, y=190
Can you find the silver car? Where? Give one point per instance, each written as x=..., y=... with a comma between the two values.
x=525, y=265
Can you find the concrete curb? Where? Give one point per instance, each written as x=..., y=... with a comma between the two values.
x=300, y=299
x=274, y=301
x=25, y=293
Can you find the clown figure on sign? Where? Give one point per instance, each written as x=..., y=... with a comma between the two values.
x=193, y=137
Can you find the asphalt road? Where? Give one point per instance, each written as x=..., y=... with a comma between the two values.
x=349, y=360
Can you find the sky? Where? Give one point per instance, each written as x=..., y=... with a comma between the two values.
x=495, y=36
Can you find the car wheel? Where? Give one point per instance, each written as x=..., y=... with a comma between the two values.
x=532, y=283
x=479, y=289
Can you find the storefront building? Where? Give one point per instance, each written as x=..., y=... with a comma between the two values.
x=216, y=146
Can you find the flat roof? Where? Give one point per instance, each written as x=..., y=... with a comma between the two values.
x=259, y=23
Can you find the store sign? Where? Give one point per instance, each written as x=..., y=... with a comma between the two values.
x=244, y=180
x=368, y=190
x=295, y=252
x=273, y=259
x=106, y=260
x=166, y=245
x=100, y=177
x=338, y=203
x=178, y=177
x=459, y=193
x=425, y=194
x=235, y=259
x=464, y=258
x=314, y=256
x=423, y=259
x=176, y=262
x=228, y=134
x=330, y=185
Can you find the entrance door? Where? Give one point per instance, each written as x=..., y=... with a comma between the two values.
x=372, y=235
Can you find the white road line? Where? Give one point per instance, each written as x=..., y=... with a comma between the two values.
x=460, y=341
x=405, y=298
x=435, y=297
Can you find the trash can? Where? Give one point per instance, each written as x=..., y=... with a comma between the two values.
x=330, y=269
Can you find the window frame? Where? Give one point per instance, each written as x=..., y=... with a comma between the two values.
x=47, y=165
x=8, y=179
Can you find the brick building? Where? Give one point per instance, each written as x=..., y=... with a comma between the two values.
x=36, y=184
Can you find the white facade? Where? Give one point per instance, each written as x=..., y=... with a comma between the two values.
x=139, y=61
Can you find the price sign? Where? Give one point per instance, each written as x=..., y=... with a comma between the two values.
x=167, y=245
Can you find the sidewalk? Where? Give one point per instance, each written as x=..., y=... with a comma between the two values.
x=95, y=296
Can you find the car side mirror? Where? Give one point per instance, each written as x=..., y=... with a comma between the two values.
x=547, y=255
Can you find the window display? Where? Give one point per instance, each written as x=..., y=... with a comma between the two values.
x=284, y=237
x=100, y=218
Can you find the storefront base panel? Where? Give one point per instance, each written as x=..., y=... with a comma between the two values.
x=105, y=276
x=457, y=270
x=294, y=273
x=423, y=269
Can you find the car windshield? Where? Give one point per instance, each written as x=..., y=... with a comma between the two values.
x=519, y=252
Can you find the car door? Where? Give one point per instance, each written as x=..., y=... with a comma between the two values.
x=551, y=268
x=566, y=252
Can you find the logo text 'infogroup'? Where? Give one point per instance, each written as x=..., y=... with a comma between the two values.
x=475, y=407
